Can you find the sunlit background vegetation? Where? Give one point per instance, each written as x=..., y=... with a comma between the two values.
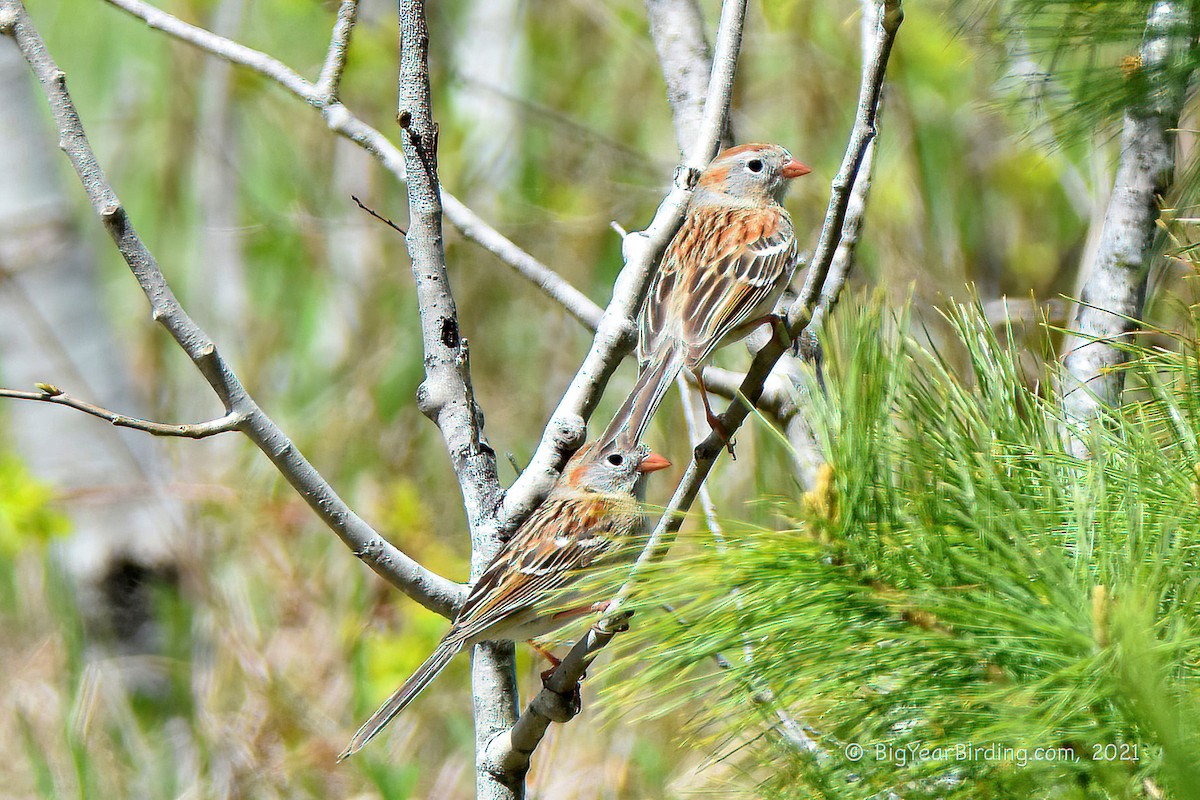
x=273, y=641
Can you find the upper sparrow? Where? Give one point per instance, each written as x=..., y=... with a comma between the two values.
x=720, y=276
x=590, y=519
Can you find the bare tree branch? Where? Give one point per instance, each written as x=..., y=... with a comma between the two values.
x=843, y=258
x=677, y=28
x=615, y=335
x=883, y=33
x=788, y=729
x=720, y=85
x=427, y=588
x=446, y=396
x=775, y=400
x=195, y=430
x=1113, y=293
x=330, y=79
x=805, y=448
x=573, y=301
x=342, y=122
x=509, y=752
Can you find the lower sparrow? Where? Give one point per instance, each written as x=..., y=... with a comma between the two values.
x=591, y=519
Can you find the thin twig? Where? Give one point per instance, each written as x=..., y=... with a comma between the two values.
x=788, y=728
x=194, y=430
x=843, y=258
x=711, y=518
x=382, y=219
x=720, y=85
x=424, y=586
x=341, y=121
x=870, y=91
x=677, y=29
x=775, y=399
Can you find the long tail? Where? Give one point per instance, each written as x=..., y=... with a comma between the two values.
x=635, y=413
x=403, y=696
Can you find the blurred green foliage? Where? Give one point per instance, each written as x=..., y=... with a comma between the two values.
x=27, y=513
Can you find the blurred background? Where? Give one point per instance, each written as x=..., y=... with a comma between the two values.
x=176, y=622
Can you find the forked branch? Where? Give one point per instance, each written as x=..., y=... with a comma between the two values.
x=424, y=586
x=322, y=96
x=48, y=393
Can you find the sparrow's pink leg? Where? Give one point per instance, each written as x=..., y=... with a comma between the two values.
x=714, y=421
x=546, y=654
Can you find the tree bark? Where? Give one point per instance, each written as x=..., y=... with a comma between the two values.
x=1114, y=291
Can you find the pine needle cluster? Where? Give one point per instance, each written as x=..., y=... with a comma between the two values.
x=961, y=609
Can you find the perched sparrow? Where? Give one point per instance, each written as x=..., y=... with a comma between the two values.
x=720, y=276
x=589, y=520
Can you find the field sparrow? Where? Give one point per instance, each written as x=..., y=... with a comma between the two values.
x=720, y=277
x=590, y=519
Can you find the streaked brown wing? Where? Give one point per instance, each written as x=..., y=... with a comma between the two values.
x=535, y=564
x=697, y=241
x=743, y=259
x=653, y=319
x=733, y=290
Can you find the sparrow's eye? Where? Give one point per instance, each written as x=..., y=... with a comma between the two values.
x=754, y=165
x=616, y=459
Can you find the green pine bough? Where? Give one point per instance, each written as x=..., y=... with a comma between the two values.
x=961, y=609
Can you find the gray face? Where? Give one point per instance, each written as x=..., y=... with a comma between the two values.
x=617, y=470
x=757, y=173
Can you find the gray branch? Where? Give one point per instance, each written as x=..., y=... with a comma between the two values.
x=427, y=588
x=49, y=393
x=339, y=119
x=330, y=80
x=789, y=730
x=714, y=122
x=807, y=454
x=446, y=396
x=843, y=257
x=677, y=28
x=1114, y=290
x=775, y=400
x=508, y=753
x=573, y=301
x=887, y=21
